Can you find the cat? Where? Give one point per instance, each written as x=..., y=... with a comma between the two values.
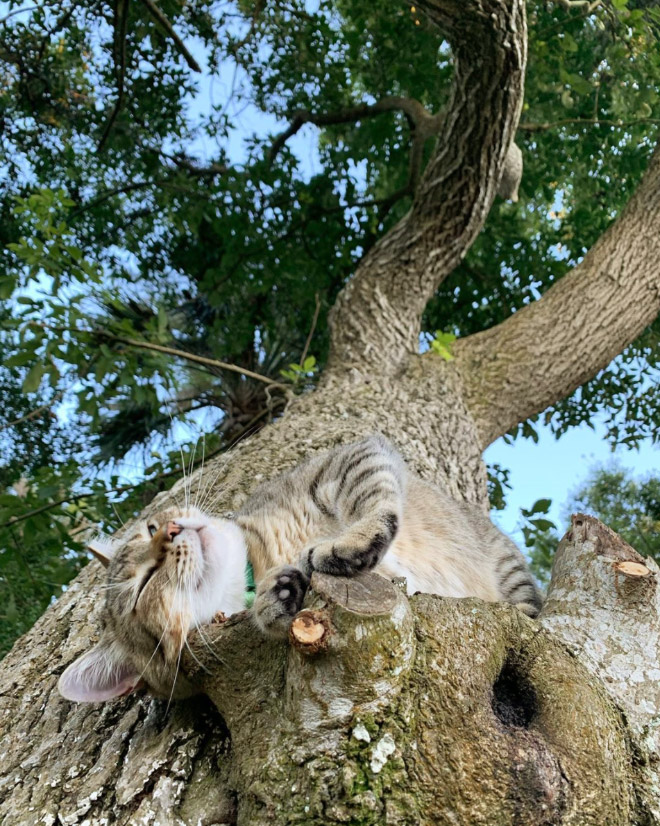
x=340, y=513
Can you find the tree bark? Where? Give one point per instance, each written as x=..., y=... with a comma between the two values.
x=548, y=349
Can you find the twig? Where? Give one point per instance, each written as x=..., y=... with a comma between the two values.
x=34, y=413
x=312, y=328
x=18, y=11
x=258, y=8
x=158, y=15
x=171, y=351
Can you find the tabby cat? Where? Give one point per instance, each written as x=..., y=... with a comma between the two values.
x=342, y=512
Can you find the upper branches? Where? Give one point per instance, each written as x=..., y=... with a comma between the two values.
x=545, y=351
x=423, y=126
x=377, y=316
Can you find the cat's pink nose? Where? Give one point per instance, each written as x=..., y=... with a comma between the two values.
x=173, y=530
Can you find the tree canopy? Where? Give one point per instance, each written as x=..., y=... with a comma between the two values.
x=204, y=177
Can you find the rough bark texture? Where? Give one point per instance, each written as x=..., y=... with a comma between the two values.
x=608, y=613
x=420, y=711
x=546, y=350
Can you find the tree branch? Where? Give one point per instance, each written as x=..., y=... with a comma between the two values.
x=158, y=15
x=121, y=28
x=171, y=351
x=545, y=351
x=620, y=124
x=376, y=320
x=413, y=109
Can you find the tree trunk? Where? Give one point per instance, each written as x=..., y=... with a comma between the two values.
x=425, y=710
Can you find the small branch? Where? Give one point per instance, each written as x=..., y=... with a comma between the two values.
x=121, y=27
x=413, y=109
x=541, y=127
x=311, y=330
x=158, y=15
x=258, y=8
x=171, y=351
x=33, y=414
x=18, y=11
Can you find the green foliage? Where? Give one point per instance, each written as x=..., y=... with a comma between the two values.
x=138, y=203
x=629, y=506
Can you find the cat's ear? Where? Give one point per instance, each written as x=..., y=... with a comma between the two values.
x=102, y=549
x=100, y=674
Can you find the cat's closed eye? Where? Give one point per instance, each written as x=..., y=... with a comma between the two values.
x=152, y=529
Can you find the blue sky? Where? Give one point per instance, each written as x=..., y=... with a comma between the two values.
x=554, y=468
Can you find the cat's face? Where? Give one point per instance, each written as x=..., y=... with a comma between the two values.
x=175, y=573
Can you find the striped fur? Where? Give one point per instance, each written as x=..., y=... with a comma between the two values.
x=358, y=507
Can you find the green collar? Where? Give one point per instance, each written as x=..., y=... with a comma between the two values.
x=250, y=587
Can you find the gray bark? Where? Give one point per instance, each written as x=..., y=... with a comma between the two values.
x=442, y=711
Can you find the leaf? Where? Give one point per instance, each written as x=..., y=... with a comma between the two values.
x=541, y=506
x=442, y=344
x=543, y=524
x=33, y=378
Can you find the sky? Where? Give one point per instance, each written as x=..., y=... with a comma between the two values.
x=554, y=468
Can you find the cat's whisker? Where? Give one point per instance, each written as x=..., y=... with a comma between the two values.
x=162, y=637
x=183, y=471
x=114, y=508
x=198, y=627
x=199, y=663
x=207, y=502
x=201, y=471
x=209, y=487
x=176, y=672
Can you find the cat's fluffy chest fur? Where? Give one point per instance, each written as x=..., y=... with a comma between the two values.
x=343, y=512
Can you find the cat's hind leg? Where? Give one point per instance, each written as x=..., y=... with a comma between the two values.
x=368, y=503
x=279, y=597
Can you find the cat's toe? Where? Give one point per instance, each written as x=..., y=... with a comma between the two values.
x=279, y=597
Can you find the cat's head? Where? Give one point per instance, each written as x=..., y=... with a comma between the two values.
x=175, y=573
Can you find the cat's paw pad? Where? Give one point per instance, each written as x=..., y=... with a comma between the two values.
x=332, y=558
x=279, y=597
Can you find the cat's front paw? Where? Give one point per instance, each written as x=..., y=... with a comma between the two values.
x=280, y=595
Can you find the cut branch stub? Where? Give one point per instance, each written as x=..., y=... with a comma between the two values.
x=368, y=648
x=603, y=602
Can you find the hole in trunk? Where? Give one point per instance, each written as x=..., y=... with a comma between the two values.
x=514, y=699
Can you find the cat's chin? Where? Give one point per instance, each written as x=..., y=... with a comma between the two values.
x=221, y=585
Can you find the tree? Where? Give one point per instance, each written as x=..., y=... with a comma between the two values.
x=629, y=506
x=545, y=730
